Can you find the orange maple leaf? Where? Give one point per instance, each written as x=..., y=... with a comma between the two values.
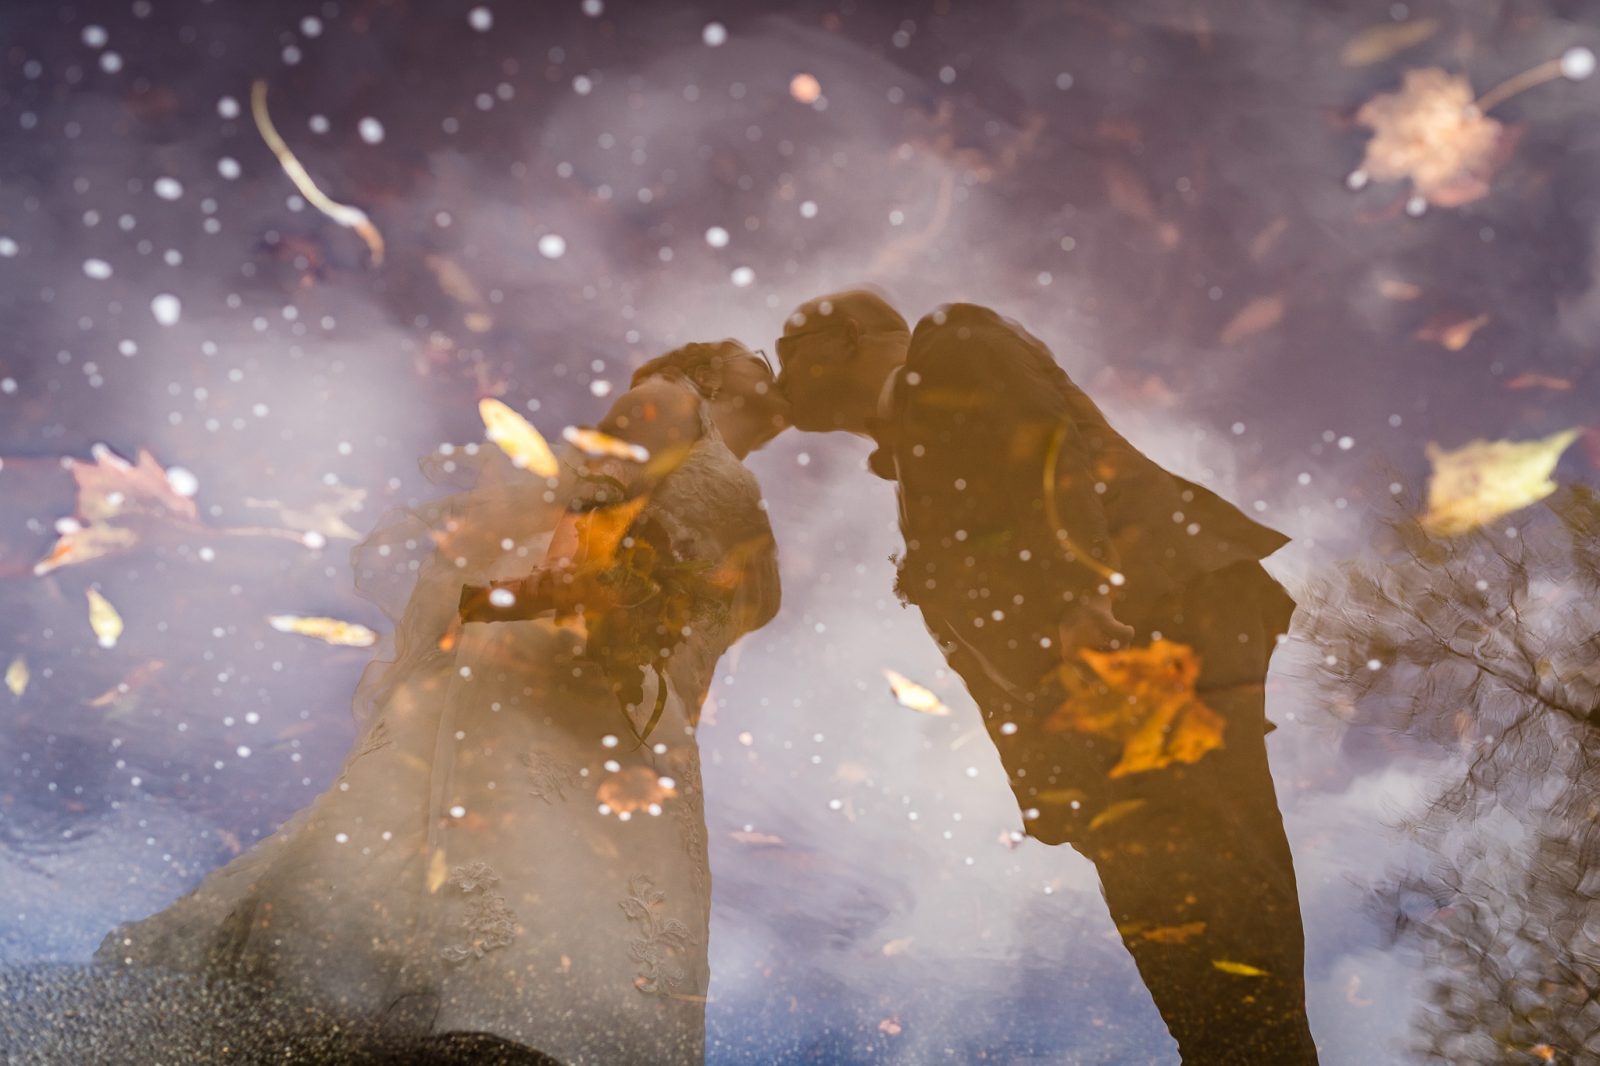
x=1143, y=698
x=1433, y=133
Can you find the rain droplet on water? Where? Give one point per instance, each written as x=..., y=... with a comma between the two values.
x=167, y=308
x=717, y=237
x=98, y=269
x=95, y=36
x=228, y=107
x=714, y=34
x=480, y=19
x=552, y=246
x=168, y=188
x=742, y=276
x=228, y=167
x=371, y=130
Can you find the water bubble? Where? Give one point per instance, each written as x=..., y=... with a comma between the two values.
x=1577, y=63
x=502, y=597
x=168, y=188
x=371, y=130
x=717, y=237
x=458, y=811
x=593, y=8
x=228, y=107
x=95, y=36
x=714, y=34
x=228, y=167
x=480, y=19
x=311, y=26
x=98, y=269
x=167, y=308
x=110, y=62
x=182, y=480
x=742, y=277
x=808, y=209
x=552, y=246
x=318, y=123
x=8, y=248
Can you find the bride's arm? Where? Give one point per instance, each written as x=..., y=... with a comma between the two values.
x=659, y=415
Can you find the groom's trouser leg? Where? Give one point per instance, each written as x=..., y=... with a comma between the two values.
x=1199, y=877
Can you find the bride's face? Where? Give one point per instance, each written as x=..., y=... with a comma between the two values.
x=749, y=387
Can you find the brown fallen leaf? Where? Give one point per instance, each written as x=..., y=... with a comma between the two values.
x=1451, y=331
x=891, y=1027
x=1116, y=812
x=1531, y=380
x=119, y=695
x=1257, y=316
x=1386, y=40
x=1395, y=289
x=1432, y=133
x=752, y=839
x=1486, y=480
x=516, y=436
x=1144, y=698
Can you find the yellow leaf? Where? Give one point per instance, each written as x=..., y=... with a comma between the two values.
x=1387, y=39
x=1257, y=316
x=604, y=445
x=601, y=530
x=17, y=676
x=1432, y=133
x=1241, y=969
x=915, y=697
x=104, y=619
x=437, y=871
x=1486, y=480
x=1143, y=697
x=1118, y=810
x=331, y=630
x=517, y=438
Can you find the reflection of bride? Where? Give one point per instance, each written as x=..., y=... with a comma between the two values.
x=516, y=844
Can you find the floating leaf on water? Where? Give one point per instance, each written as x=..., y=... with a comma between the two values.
x=753, y=839
x=103, y=619
x=1385, y=40
x=1257, y=316
x=1398, y=290
x=331, y=630
x=1451, y=332
x=1119, y=810
x=346, y=215
x=438, y=871
x=1485, y=480
x=604, y=445
x=84, y=543
x=123, y=690
x=1432, y=133
x=516, y=437
x=1532, y=380
x=1241, y=969
x=1143, y=697
x=914, y=697
x=17, y=676
x=1173, y=934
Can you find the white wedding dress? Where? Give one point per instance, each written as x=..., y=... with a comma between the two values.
x=499, y=854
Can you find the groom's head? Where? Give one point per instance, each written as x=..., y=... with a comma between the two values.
x=835, y=352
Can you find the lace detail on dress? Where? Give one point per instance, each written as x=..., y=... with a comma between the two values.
x=661, y=943
x=547, y=777
x=489, y=923
x=691, y=816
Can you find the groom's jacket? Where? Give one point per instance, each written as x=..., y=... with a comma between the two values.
x=1017, y=497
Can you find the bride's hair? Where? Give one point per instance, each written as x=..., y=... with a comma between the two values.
x=698, y=364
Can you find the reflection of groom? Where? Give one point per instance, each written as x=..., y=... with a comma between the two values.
x=1033, y=532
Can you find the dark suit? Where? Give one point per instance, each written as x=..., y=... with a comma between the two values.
x=1018, y=501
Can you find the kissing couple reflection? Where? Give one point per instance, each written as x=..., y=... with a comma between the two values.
x=514, y=852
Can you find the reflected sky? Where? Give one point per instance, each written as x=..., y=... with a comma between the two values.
x=567, y=190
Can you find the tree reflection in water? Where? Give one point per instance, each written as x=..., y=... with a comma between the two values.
x=1490, y=646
